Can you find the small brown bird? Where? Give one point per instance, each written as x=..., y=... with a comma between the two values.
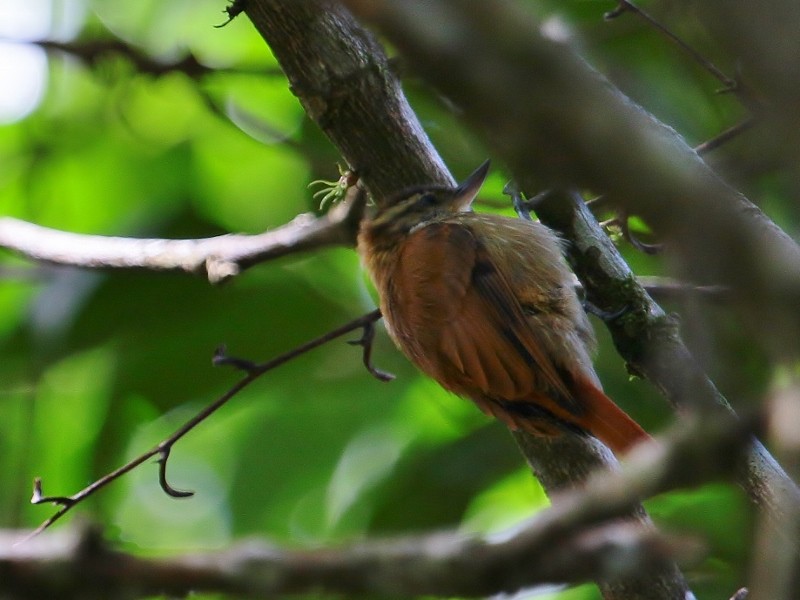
x=486, y=306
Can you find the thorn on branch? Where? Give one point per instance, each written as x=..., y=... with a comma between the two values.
x=221, y=358
x=163, y=457
x=233, y=10
x=39, y=498
x=367, y=337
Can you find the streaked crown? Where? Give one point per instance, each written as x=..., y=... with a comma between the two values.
x=418, y=205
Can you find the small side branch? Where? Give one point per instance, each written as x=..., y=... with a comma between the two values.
x=92, y=52
x=730, y=84
x=233, y=10
x=218, y=258
x=725, y=136
x=163, y=449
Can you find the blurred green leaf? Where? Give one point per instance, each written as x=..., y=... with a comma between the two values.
x=97, y=368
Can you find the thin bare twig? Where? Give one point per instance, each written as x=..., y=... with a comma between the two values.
x=365, y=341
x=233, y=10
x=666, y=288
x=622, y=220
x=92, y=52
x=731, y=85
x=163, y=448
x=725, y=136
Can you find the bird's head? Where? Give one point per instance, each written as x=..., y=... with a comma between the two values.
x=415, y=206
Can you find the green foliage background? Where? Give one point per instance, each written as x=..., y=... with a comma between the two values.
x=97, y=367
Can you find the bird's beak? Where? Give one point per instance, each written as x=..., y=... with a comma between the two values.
x=469, y=188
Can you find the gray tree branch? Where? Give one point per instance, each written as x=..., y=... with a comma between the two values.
x=223, y=256
x=218, y=258
x=572, y=541
x=776, y=557
x=443, y=565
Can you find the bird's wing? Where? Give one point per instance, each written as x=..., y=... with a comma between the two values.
x=466, y=328
x=451, y=287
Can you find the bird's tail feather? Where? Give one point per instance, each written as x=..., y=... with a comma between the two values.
x=607, y=421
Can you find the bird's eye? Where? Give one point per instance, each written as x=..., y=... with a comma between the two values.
x=426, y=200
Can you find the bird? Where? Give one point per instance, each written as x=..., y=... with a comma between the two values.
x=486, y=305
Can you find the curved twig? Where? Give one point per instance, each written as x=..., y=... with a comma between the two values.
x=233, y=10
x=624, y=224
x=163, y=457
x=162, y=450
x=38, y=496
x=365, y=341
x=221, y=357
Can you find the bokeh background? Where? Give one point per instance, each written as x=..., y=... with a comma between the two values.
x=96, y=367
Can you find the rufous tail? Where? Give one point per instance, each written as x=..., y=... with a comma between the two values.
x=608, y=422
